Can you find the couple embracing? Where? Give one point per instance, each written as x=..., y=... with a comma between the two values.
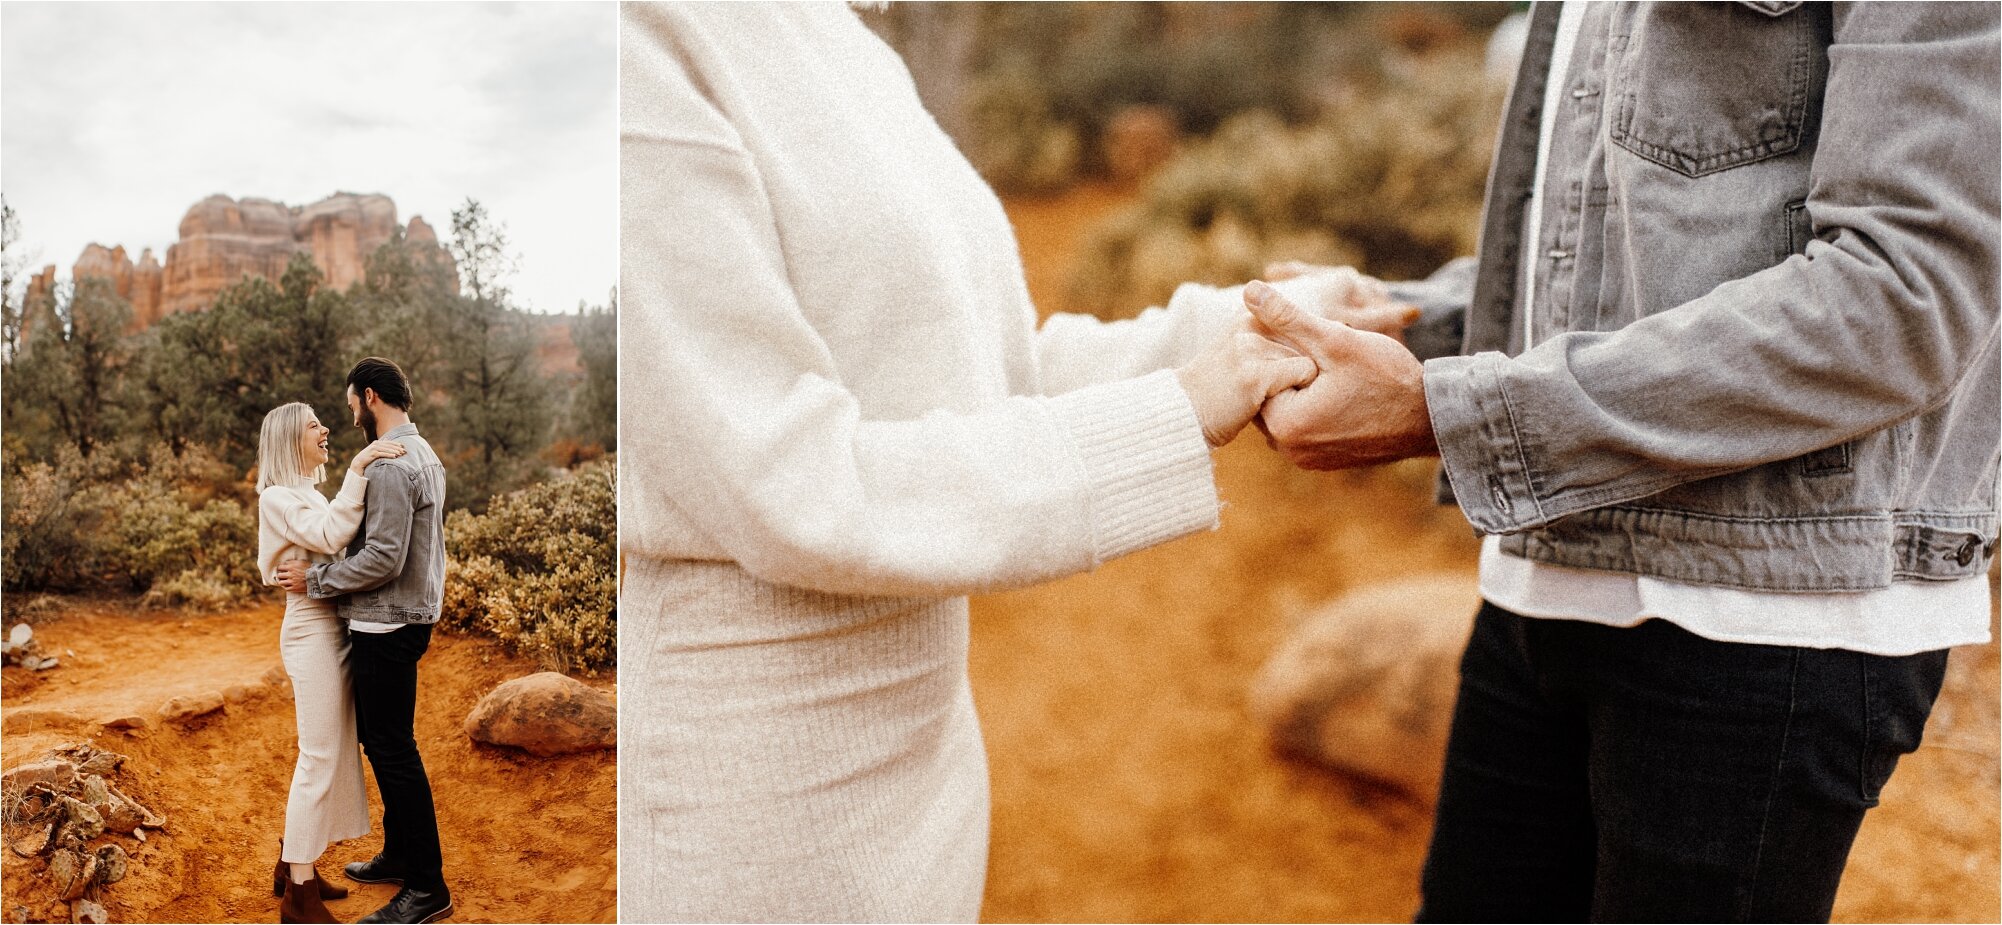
x=364, y=576
x=1721, y=390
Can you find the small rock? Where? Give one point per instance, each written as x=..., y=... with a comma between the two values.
x=80, y=822
x=545, y=714
x=90, y=759
x=86, y=911
x=128, y=815
x=275, y=676
x=1365, y=686
x=111, y=864
x=31, y=844
x=122, y=817
x=239, y=693
x=95, y=794
x=55, y=772
x=130, y=721
x=70, y=871
x=29, y=720
x=191, y=706
x=36, y=800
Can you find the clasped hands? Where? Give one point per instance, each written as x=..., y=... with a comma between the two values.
x=1333, y=388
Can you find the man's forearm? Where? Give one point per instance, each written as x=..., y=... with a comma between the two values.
x=367, y=570
x=386, y=524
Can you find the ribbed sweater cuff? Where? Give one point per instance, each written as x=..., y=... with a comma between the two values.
x=1146, y=459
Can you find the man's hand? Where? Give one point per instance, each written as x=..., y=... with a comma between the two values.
x=1366, y=407
x=292, y=575
x=1231, y=379
x=1343, y=294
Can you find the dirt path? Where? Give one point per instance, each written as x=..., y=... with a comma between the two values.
x=1130, y=783
x=525, y=839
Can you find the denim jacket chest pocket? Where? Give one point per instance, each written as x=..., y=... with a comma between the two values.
x=1704, y=87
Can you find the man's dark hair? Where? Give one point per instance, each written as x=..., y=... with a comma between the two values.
x=385, y=377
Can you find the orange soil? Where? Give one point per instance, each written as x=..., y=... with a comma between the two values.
x=525, y=839
x=1131, y=784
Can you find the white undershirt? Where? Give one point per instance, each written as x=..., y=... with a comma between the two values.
x=1905, y=618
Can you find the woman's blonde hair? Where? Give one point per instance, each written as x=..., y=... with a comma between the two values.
x=278, y=459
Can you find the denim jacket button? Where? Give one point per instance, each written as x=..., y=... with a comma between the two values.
x=1965, y=556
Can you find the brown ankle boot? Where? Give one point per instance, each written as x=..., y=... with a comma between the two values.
x=302, y=903
x=283, y=872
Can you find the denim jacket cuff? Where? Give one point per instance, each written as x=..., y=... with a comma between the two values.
x=1479, y=447
x=313, y=589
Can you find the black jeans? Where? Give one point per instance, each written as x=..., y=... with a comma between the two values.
x=385, y=679
x=1649, y=774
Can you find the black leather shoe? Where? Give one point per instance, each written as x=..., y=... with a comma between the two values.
x=373, y=870
x=414, y=907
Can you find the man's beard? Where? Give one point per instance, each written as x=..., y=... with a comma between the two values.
x=367, y=420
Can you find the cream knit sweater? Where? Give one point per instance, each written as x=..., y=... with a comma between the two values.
x=837, y=414
x=297, y=522
x=836, y=378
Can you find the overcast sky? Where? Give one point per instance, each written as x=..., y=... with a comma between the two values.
x=116, y=117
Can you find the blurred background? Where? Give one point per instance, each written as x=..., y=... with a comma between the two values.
x=1247, y=725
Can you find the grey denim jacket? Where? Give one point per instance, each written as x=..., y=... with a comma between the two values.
x=395, y=568
x=1763, y=352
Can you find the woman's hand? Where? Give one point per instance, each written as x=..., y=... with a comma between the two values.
x=381, y=449
x=1231, y=379
x=1342, y=294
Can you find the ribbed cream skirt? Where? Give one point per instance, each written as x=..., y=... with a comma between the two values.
x=329, y=802
x=789, y=756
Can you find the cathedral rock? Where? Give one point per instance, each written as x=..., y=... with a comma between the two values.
x=223, y=239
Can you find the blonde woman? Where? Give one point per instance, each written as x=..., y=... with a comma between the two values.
x=328, y=802
x=843, y=418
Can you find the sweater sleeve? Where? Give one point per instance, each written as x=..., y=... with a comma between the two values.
x=1079, y=350
x=306, y=526
x=734, y=415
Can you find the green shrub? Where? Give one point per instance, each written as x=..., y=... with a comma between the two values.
x=539, y=569
x=1391, y=182
x=174, y=526
x=1014, y=138
x=211, y=588
x=40, y=545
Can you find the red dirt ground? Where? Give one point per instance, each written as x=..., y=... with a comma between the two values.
x=525, y=839
x=1130, y=783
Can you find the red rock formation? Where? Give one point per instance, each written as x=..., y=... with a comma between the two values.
x=147, y=278
x=38, y=305
x=223, y=240
x=139, y=286
x=341, y=231
x=419, y=231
